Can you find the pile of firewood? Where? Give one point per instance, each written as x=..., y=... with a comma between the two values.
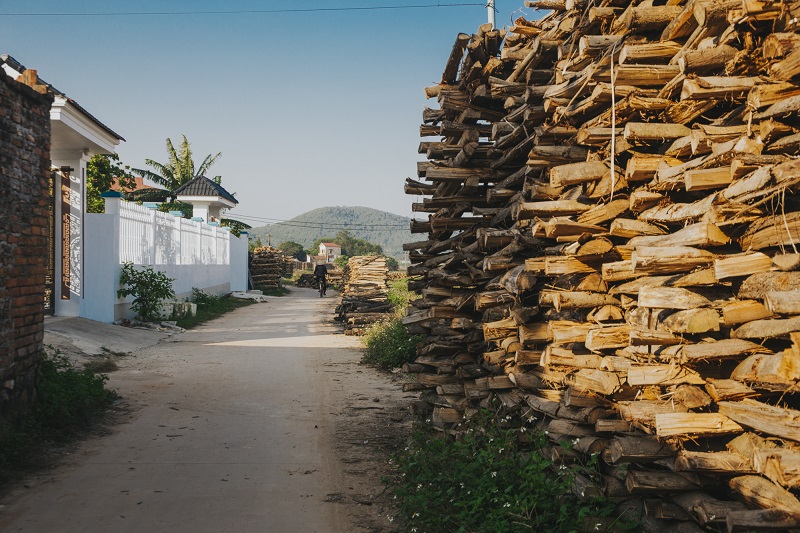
x=364, y=294
x=288, y=266
x=266, y=268
x=611, y=245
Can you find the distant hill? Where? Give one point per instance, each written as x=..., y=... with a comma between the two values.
x=378, y=227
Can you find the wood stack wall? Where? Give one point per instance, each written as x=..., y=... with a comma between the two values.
x=611, y=246
x=364, y=301
x=267, y=266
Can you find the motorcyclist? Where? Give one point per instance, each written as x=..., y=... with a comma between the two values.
x=321, y=275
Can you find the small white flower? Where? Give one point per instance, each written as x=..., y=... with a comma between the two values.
x=507, y=504
x=500, y=450
x=523, y=429
x=391, y=518
x=414, y=515
x=597, y=526
x=419, y=486
x=413, y=530
x=494, y=474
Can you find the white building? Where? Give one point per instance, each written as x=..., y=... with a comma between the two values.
x=76, y=135
x=329, y=251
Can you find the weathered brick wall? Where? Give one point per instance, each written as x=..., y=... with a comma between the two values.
x=24, y=175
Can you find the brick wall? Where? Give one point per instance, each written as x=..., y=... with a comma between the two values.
x=24, y=175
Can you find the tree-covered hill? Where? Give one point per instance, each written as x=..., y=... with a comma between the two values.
x=388, y=230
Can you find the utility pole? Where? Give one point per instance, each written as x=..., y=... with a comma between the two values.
x=490, y=9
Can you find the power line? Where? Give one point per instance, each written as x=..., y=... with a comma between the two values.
x=239, y=11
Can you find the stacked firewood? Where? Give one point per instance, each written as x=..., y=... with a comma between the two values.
x=611, y=247
x=364, y=294
x=288, y=266
x=266, y=268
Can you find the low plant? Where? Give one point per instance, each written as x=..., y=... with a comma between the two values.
x=67, y=397
x=399, y=295
x=488, y=479
x=389, y=344
x=148, y=287
x=67, y=401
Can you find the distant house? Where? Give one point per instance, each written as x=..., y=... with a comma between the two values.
x=329, y=251
x=139, y=185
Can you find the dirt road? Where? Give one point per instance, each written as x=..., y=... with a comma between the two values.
x=260, y=421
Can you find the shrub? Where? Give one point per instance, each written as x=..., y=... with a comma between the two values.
x=148, y=287
x=399, y=295
x=67, y=400
x=389, y=345
x=67, y=397
x=488, y=479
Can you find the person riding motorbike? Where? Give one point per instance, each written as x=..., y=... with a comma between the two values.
x=321, y=275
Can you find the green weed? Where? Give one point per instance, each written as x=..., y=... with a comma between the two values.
x=68, y=400
x=389, y=345
x=388, y=342
x=489, y=479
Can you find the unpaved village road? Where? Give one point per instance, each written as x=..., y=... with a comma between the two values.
x=261, y=421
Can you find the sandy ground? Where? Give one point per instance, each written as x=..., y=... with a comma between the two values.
x=262, y=420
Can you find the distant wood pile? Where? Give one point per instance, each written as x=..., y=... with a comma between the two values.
x=364, y=291
x=267, y=266
x=611, y=246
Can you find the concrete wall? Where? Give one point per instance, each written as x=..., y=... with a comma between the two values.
x=194, y=254
x=24, y=228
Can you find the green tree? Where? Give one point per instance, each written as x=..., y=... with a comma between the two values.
x=176, y=172
x=101, y=171
x=392, y=263
x=341, y=261
x=295, y=249
x=255, y=243
x=236, y=226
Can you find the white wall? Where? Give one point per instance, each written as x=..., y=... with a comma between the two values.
x=194, y=254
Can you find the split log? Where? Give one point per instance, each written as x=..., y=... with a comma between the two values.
x=768, y=419
x=763, y=493
x=722, y=349
x=695, y=424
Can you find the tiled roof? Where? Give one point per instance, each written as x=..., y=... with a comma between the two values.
x=202, y=186
x=329, y=244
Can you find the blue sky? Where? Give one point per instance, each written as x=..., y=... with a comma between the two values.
x=308, y=109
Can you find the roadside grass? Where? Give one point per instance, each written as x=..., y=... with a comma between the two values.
x=388, y=343
x=68, y=401
x=492, y=477
x=209, y=307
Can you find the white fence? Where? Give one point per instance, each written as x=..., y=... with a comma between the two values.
x=194, y=254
